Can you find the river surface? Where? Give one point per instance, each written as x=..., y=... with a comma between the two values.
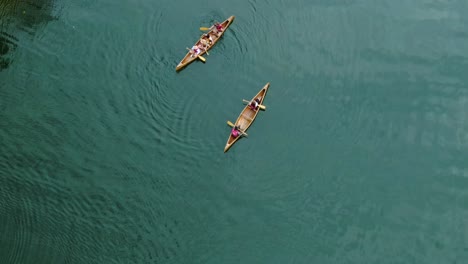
x=108, y=155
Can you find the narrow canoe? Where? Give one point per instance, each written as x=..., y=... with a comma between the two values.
x=246, y=117
x=189, y=59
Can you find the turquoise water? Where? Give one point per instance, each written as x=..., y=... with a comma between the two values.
x=107, y=155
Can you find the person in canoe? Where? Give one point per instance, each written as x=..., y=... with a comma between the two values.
x=236, y=131
x=254, y=104
x=205, y=42
x=202, y=47
x=207, y=39
x=195, y=50
x=218, y=28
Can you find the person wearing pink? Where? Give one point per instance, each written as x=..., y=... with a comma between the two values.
x=218, y=28
x=195, y=51
x=235, y=132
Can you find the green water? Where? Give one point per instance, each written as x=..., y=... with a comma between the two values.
x=107, y=155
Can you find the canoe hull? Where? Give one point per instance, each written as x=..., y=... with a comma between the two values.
x=189, y=58
x=247, y=117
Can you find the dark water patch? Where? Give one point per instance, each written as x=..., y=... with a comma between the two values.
x=8, y=44
x=26, y=15
x=18, y=17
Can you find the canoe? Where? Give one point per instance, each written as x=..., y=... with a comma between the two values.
x=189, y=59
x=246, y=117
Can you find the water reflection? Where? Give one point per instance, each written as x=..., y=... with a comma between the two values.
x=20, y=16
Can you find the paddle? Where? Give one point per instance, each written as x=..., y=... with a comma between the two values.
x=200, y=57
x=260, y=106
x=206, y=50
x=205, y=29
x=232, y=125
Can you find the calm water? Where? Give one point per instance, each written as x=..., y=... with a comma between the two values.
x=107, y=155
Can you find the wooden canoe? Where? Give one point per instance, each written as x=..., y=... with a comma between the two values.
x=246, y=117
x=189, y=59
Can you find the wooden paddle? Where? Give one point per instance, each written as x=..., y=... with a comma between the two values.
x=199, y=56
x=232, y=125
x=260, y=106
x=205, y=29
x=206, y=50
